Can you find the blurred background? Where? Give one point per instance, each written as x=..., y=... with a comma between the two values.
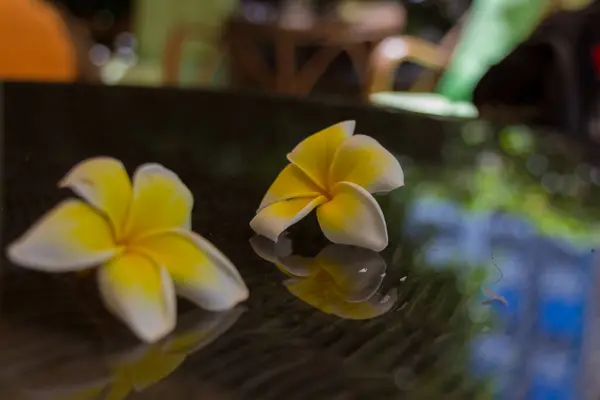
x=298, y=46
x=441, y=57
x=374, y=51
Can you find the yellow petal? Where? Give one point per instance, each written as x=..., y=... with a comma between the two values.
x=357, y=272
x=271, y=221
x=201, y=273
x=291, y=183
x=141, y=293
x=160, y=201
x=72, y=236
x=365, y=162
x=314, y=154
x=103, y=182
x=353, y=217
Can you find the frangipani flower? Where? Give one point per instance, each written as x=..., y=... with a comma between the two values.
x=144, y=366
x=141, y=237
x=334, y=172
x=340, y=280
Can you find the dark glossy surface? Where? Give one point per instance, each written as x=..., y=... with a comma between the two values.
x=56, y=336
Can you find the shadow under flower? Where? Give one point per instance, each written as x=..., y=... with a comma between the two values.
x=143, y=366
x=341, y=280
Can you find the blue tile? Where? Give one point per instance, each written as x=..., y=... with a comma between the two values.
x=442, y=250
x=563, y=291
x=511, y=282
x=504, y=225
x=493, y=353
x=553, y=375
x=475, y=239
x=552, y=251
x=546, y=283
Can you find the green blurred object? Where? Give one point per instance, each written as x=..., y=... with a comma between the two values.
x=154, y=21
x=425, y=103
x=493, y=29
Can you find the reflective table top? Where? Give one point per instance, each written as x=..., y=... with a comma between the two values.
x=484, y=290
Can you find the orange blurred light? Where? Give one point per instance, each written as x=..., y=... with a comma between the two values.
x=34, y=43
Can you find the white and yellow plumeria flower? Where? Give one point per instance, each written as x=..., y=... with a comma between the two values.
x=141, y=237
x=334, y=172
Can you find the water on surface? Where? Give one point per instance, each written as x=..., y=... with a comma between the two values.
x=486, y=213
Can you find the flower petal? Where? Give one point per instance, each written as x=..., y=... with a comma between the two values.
x=201, y=273
x=72, y=236
x=103, y=182
x=353, y=217
x=141, y=293
x=314, y=154
x=274, y=219
x=161, y=201
x=290, y=183
x=365, y=162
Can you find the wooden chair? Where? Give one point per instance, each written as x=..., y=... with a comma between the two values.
x=173, y=52
x=396, y=50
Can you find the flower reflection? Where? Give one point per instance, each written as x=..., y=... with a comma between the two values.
x=340, y=280
x=143, y=366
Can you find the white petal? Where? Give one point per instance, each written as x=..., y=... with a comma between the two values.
x=272, y=220
x=201, y=273
x=72, y=236
x=291, y=183
x=141, y=294
x=161, y=201
x=103, y=182
x=315, y=153
x=364, y=161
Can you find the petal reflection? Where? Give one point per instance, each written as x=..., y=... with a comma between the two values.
x=357, y=273
x=280, y=254
x=320, y=293
x=137, y=369
x=340, y=280
x=145, y=366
